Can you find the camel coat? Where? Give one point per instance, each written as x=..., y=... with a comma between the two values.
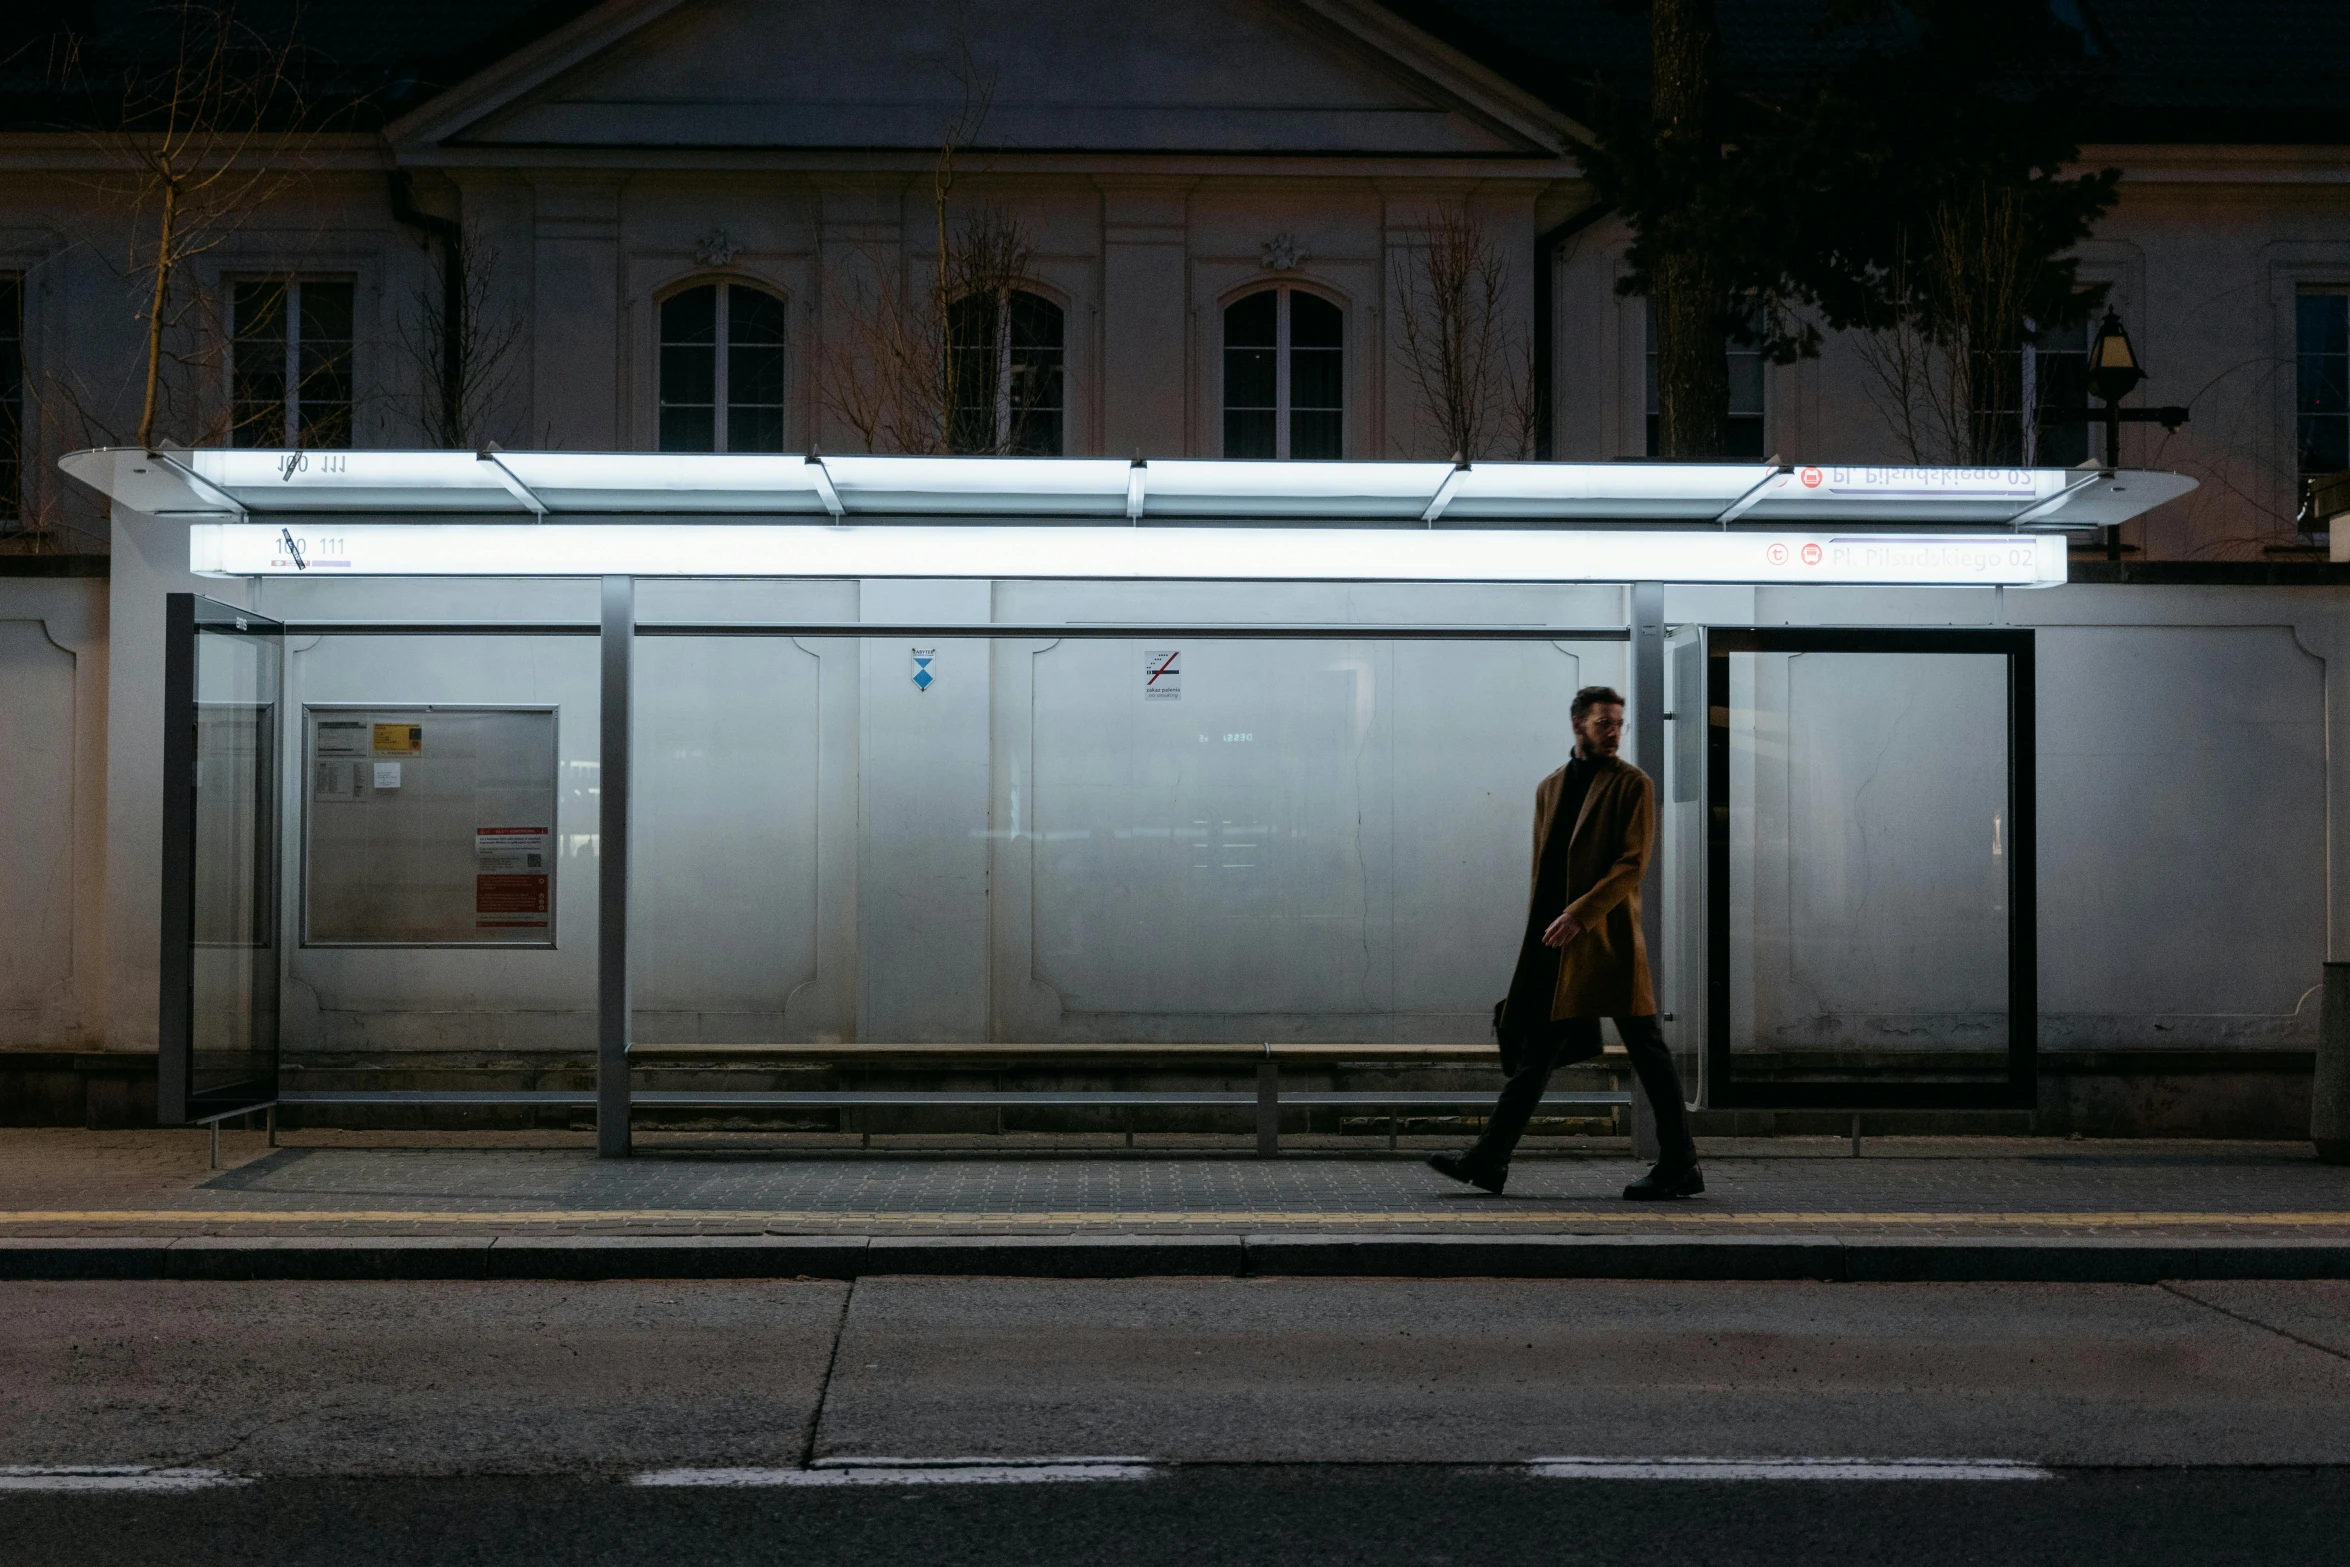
x=1603, y=972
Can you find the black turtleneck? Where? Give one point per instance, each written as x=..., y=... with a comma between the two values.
x=1538, y=966
x=1550, y=886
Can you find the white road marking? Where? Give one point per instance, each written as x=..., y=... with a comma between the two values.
x=912, y=1471
x=1785, y=1469
x=110, y=1477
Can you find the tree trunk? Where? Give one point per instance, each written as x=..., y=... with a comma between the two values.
x=1692, y=365
x=166, y=252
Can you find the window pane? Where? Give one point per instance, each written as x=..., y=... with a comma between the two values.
x=1317, y=379
x=2324, y=323
x=1248, y=378
x=757, y=429
x=754, y=375
x=1253, y=322
x=1252, y=329
x=1248, y=432
x=11, y=399
x=323, y=344
x=688, y=430
x=257, y=365
x=1037, y=360
x=2325, y=445
x=972, y=324
x=691, y=317
x=689, y=370
x=1317, y=437
x=689, y=377
x=2322, y=382
x=2323, y=354
x=754, y=370
x=1747, y=391
x=1036, y=323
x=1314, y=322
x=1746, y=437
x=2061, y=391
x=1746, y=382
x=753, y=316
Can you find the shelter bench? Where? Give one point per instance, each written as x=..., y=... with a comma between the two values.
x=1269, y=1096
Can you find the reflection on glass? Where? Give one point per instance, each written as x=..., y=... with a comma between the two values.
x=1281, y=839
x=1868, y=874
x=233, y=968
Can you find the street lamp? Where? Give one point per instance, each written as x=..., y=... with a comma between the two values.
x=2114, y=372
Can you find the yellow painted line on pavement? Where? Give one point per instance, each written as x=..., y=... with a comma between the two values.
x=1698, y=1218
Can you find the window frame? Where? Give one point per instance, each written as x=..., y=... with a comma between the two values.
x=722, y=352
x=1650, y=404
x=1284, y=404
x=1005, y=351
x=2313, y=289
x=2034, y=423
x=289, y=432
x=15, y=403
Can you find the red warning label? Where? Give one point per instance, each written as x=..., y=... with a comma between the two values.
x=510, y=895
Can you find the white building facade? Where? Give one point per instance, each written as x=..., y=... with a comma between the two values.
x=679, y=220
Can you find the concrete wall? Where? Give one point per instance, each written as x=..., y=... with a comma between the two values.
x=53, y=824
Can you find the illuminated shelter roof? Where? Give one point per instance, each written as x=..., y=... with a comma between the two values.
x=254, y=512
x=494, y=485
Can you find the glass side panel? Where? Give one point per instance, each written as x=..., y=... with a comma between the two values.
x=1679, y=877
x=235, y=928
x=1867, y=878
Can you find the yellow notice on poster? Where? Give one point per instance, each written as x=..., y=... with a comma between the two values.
x=399, y=739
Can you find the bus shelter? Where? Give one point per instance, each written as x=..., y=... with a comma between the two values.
x=508, y=751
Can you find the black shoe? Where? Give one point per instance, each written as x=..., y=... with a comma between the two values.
x=1458, y=1167
x=1664, y=1183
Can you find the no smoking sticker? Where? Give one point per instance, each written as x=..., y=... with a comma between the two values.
x=1162, y=675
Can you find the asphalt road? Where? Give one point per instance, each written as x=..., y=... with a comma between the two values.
x=1293, y=1516
x=1290, y=1420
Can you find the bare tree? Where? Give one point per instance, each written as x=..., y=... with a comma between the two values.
x=1946, y=372
x=463, y=342
x=1475, y=379
x=926, y=366
x=210, y=136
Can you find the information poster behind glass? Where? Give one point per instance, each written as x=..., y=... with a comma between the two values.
x=429, y=826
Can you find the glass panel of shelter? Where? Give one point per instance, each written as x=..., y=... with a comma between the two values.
x=1219, y=838
x=1864, y=942
x=1222, y=839
x=234, y=929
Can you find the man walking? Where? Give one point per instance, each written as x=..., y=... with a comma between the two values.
x=1584, y=958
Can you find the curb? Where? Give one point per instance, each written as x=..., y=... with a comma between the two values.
x=1818, y=1259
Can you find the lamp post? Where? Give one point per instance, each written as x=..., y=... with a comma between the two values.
x=2114, y=372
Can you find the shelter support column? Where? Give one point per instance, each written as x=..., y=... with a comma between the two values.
x=1648, y=750
x=618, y=645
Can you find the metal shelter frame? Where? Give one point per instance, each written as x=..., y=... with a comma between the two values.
x=621, y=516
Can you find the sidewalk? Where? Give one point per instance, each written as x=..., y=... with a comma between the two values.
x=331, y=1191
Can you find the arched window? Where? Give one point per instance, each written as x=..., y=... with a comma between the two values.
x=722, y=370
x=1006, y=362
x=1284, y=376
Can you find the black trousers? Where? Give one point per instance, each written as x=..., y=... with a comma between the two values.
x=1529, y=1064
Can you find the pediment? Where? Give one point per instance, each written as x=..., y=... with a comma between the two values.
x=1213, y=76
